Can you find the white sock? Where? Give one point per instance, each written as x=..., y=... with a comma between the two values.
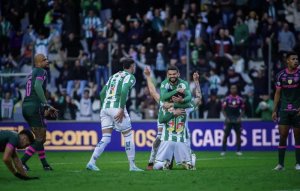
x=130, y=148
x=188, y=143
x=194, y=160
x=154, y=149
x=106, y=138
x=158, y=165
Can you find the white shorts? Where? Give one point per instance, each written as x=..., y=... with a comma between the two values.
x=107, y=117
x=167, y=149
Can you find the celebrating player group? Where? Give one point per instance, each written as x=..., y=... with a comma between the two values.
x=172, y=143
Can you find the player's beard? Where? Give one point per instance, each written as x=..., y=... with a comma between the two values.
x=173, y=80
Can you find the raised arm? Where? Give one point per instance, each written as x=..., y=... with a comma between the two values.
x=150, y=85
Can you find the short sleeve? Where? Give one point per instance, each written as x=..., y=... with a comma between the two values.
x=40, y=74
x=130, y=79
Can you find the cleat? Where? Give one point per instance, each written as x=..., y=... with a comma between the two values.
x=47, y=168
x=135, y=169
x=25, y=167
x=150, y=166
x=297, y=167
x=279, y=167
x=223, y=153
x=188, y=166
x=92, y=167
x=239, y=153
x=167, y=165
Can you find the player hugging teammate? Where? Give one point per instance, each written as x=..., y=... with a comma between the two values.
x=173, y=135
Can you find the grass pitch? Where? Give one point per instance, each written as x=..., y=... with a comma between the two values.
x=252, y=171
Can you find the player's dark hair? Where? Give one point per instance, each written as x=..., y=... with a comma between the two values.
x=173, y=68
x=29, y=134
x=126, y=62
x=86, y=90
x=290, y=54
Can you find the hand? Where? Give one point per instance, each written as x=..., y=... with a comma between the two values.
x=22, y=177
x=178, y=112
x=120, y=115
x=180, y=90
x=51, y=111
x=196, y=76
x=274, y=116
x=178, y=99
x=147, y=71
x=168, y=105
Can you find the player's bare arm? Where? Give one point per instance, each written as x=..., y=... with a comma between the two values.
x=150, y=85
x=276, y=101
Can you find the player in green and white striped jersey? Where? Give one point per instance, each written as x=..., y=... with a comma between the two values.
x=114, y=114
x=173, y=82
x=156, y=96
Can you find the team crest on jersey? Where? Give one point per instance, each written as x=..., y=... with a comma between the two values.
x=290, y=81
x=181, y=85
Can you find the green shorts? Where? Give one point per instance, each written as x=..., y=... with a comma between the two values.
x=228, y=126
x=289, y=118
x=33, y=113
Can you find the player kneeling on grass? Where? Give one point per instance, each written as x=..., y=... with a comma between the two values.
x=173, y=140
x=9, y=142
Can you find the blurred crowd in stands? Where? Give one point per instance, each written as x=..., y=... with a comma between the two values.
x=226, y=41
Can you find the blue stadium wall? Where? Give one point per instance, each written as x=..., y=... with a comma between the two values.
x=205, y=135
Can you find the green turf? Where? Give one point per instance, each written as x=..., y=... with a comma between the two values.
x=252, y=171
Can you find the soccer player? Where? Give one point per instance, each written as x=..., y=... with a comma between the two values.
x=173, y=140
x=156, y=96
x=114, y=114
x=35, y=108
x=9, y=142
x=287, y=93
x=233, y=110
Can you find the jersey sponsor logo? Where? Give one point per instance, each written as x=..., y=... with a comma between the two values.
x=171, y=125
x=234, y=103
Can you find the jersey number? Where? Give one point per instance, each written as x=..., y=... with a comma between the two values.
x=28, y=88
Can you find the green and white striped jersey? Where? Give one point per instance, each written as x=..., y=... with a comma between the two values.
x=175, y=128
x=117, y=89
